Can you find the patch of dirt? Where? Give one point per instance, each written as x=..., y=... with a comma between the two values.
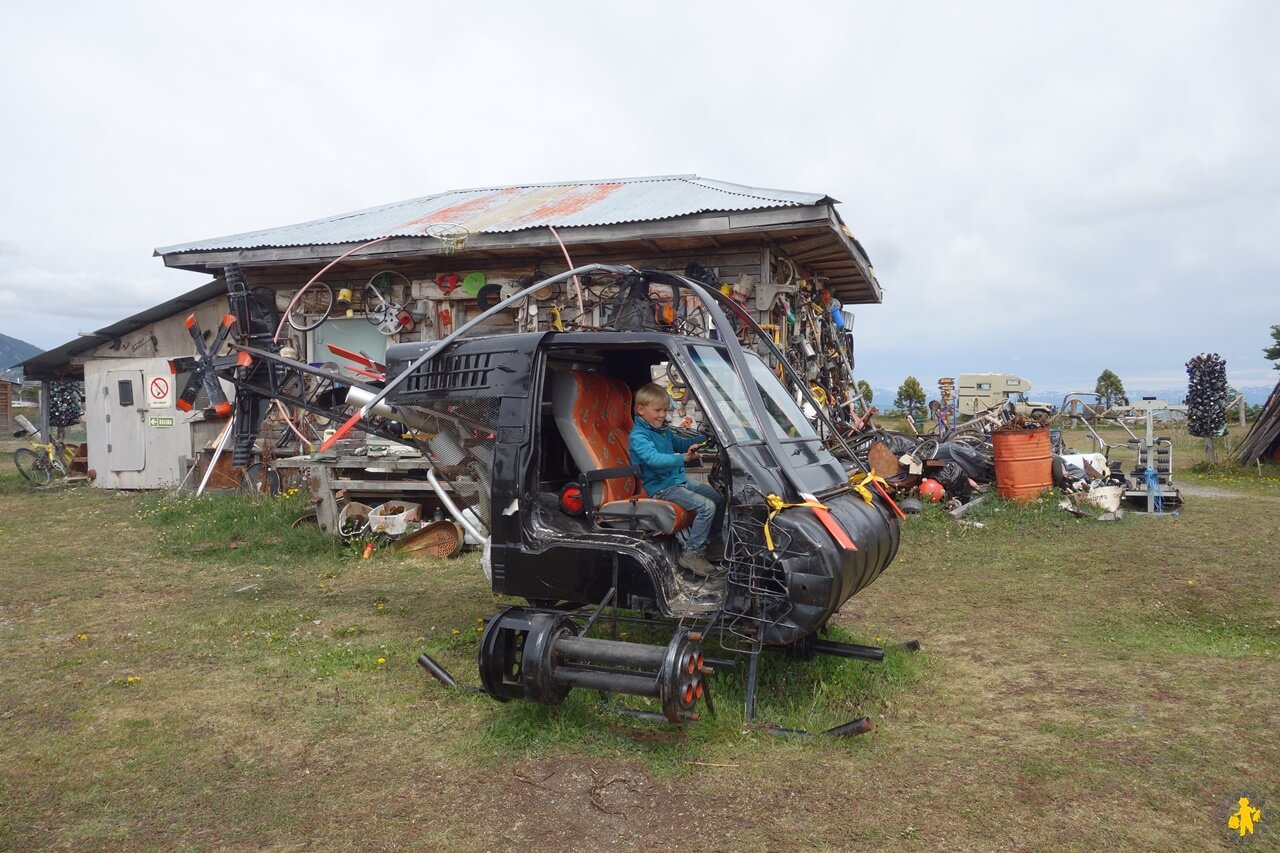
x=583, y=804
x=1208, y=492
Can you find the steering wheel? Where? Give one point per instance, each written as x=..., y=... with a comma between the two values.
x=676, y=379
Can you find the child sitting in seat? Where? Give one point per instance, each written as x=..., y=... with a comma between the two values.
x=661, y=456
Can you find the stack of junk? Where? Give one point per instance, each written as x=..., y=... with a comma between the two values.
x=1019, y=457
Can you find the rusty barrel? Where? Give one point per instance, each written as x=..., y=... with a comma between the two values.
x=1024, y=463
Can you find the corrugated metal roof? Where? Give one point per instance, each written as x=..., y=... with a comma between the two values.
x=516, y=208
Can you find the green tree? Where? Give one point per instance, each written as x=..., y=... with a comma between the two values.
x=863, y=387
x=1273, y=352
x=910, y=396
x=1109, y=388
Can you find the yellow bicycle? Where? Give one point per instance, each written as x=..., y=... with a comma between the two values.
x=39, y=463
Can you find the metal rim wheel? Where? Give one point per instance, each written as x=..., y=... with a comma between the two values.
x=34, y=467
x=313, y=308
x=259, y=479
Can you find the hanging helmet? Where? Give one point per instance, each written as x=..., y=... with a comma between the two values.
x=932, y=490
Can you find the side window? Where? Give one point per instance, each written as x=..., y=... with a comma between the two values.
x=124, y=392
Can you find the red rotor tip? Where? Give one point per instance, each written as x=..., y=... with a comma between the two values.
x=341, y=432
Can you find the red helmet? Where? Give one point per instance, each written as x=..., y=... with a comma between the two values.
x=932, y=490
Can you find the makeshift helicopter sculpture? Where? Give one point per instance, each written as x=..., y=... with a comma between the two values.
x=529, y=430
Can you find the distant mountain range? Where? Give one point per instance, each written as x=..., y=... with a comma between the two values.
x=13, y=351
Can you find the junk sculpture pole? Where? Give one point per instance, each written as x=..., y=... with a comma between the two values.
x=1207, y=399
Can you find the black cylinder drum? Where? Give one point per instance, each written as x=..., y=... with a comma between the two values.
x=818, y=573
x=540, y=657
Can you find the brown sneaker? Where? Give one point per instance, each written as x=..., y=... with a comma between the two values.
x=696, y=562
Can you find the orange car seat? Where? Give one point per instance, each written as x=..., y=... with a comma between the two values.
x=594, y=415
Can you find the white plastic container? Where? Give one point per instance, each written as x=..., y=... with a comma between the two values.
x=353, y=519
x=393, y=517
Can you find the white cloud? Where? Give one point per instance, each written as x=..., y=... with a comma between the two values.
x=1049, y=189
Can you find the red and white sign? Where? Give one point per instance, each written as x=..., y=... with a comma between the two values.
x=160, y=391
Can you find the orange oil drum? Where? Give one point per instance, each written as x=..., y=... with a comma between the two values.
x=1024, y=463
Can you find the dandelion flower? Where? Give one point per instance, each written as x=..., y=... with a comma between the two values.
x=381, y=661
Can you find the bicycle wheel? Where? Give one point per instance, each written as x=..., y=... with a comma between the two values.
x=34, y=467
x=259, y=479
x=312, y=308
x=377, y=308
x=693, y=322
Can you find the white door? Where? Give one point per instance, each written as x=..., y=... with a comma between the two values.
x=126, y=407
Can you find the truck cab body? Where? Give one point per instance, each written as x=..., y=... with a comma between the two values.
x=980, y=392
x=497, y=419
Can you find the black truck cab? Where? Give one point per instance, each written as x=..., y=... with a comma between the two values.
x=518, y=419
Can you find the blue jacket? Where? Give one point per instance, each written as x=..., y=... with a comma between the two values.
x=660, y=455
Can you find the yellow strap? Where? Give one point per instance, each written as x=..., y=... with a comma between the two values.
x=860, y=486
x=776, y=505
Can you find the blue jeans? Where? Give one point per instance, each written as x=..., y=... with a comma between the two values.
x=705, y=503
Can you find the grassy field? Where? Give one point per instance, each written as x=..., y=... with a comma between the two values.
x=197, y=675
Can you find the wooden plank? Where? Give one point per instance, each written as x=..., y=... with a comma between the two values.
x=327, y=507
x=383, y=485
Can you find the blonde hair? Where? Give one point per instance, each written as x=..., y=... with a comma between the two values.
x=651, y=394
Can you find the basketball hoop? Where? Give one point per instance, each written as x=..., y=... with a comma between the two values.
x=452, y=237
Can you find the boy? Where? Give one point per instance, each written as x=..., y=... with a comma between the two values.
x=661, y=456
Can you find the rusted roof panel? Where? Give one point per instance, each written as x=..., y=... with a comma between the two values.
x=516, y=208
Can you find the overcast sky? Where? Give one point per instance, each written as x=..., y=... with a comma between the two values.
x=1044, y=188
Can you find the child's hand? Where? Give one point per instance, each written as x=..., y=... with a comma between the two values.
x=691, y=455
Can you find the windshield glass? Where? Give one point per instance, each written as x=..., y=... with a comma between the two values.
x=729, y=396
x=786, y=418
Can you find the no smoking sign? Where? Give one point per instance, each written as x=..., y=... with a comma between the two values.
x=160, y=391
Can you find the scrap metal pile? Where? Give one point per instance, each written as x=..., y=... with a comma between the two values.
x=955, y=465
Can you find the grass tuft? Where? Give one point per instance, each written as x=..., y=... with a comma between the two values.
x=234, y=528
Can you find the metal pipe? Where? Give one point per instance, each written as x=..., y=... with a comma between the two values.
x=213, y=462
x=441, y=674
x=453, y=508
x=357, y=397
x=853, y=728
x=611, y=652
x=615, y=682
x=848, y=650
x=394, y=382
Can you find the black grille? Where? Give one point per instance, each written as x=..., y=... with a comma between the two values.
x=463, y=372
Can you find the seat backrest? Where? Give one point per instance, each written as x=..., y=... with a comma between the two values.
x=594, y=415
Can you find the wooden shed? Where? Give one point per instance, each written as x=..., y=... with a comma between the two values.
x=429, y=256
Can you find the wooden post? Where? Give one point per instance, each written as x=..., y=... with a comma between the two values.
x=46, y=431
x=1210, y=452
x=322, y=487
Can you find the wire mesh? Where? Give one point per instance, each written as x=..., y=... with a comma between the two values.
x=460, y=435
x=755, y=583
